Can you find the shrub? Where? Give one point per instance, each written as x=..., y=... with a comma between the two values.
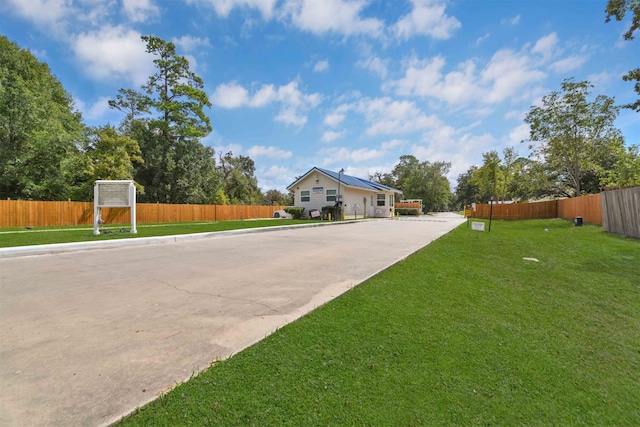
x=297, y=213
x=408, y=211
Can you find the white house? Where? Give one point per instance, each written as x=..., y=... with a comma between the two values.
x=360, y=198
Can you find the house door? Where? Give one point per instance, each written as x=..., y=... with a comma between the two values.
x=372, y=211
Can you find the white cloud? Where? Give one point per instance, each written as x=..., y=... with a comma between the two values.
x=428, y=18
x=332, y=16
x=447, y=144
x=568, y=64
x=344, y=154
x=546, y=46
x=386, y=116
x=275, y=177
x=224, y=7
x=49, y=14
x=98, y=110
x=140, y=10
x=519, y=133
x=392, y=144
x=113, y=53
x=293, y=102
x=375, y=65
x=230, y=95
x=511, y=21
x=189, y=43
x=270, y=152
x=516, y=115
x=507, y=75
x=321, y=66
x=263, y=96
x=480, y=40
x=276, y=172
x=337, y=116
x=602, y=78
x=330, y=136
x=425, y=78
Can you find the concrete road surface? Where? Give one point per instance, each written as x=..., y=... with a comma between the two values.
x=88, y=336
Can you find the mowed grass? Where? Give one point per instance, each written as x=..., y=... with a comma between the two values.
x=464, y=332
x=10, y=237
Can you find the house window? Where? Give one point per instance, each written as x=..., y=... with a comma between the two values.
x=381, y=199
x=391, y=202
x=305, y=196
x=331, y=196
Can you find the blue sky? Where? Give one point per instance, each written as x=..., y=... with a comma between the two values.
x=350, y=84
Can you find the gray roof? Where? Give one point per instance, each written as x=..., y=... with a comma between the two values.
x=349, y=181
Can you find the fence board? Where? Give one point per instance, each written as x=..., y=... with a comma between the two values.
x=518, y=211
x=27, y=213
x=588, y=207
x=621, y=212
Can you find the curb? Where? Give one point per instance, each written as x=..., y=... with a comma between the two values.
x=59, y=248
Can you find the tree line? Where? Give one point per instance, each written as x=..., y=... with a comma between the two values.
x=48, y=153
x=574, y=146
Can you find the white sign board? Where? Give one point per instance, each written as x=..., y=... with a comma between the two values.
x=477, y=226
x=113, y=194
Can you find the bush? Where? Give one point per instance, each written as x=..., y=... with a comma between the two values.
x=408, y=211
x=297, y=213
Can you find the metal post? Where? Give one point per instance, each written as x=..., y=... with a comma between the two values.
x=340, y=172
x=490, y=213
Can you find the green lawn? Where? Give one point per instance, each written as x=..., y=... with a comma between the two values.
x=81, y=233
x=464, y=332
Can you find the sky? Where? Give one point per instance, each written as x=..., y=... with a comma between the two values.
x=351, y=84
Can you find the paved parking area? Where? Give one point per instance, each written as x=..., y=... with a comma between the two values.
x=88, y=336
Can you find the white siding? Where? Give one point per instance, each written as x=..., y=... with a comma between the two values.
x=350, y=197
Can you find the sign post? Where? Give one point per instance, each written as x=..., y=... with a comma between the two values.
x=113, y=194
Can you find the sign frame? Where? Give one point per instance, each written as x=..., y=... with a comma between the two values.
x=113, y=194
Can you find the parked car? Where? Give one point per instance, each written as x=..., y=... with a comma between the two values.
x=280, y=213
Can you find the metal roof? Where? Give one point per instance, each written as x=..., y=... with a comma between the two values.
x=348, y=180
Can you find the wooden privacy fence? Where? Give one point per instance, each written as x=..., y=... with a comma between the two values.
x=23, y=213
x=407, y=205
x=515, y=211
x=588, y=207
x=621, y=212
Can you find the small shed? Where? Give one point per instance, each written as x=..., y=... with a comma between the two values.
x=357, y=197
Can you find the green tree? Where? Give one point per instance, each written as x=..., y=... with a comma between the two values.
x=467, y=192
x=133, y=104
x=383, y=178
x=423, y=180
x=618, y=9
x=490, y=176
x=276, y=198
x=109, y=155
x=177, y=167
x=625, y=170
x=238, y=180
x=219, y=198
x=40, y=131
x=570, y=133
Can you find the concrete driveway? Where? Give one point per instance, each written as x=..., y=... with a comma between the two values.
x=88, y=336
